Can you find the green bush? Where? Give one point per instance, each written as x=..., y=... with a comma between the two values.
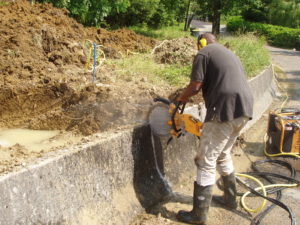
x=163, y=33
x=120, y=13
x=255, y=15
x=275, y=35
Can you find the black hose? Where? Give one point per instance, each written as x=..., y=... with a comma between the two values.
x=266, y=175
x=163, y=100
x=258, y=218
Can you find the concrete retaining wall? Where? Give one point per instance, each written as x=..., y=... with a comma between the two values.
x=106, y=181
x=264, y=89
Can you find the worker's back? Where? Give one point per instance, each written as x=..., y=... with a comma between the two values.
x=226, y=91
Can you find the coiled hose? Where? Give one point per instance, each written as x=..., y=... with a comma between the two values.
x=269, y=189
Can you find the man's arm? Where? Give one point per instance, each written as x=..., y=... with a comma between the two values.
x=192, y=89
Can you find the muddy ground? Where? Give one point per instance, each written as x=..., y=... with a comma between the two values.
x=46, y=80
x=43, y=55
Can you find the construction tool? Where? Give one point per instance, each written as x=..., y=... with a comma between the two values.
x=283, y=136
x=167, y=118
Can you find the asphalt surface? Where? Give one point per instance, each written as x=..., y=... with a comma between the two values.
x=289, y=62
x=205, y=26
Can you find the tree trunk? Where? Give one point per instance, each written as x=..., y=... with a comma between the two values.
x=216, y=18
x=190, y=20
x=187, y=16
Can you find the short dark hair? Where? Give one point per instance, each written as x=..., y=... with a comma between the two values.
x=208, y=36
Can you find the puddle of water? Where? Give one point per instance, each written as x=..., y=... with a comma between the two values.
x=33, y=140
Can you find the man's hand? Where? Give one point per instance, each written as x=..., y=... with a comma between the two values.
x=182, y=99
x=192, y=89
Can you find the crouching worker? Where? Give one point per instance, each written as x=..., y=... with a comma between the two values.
x=229, y=103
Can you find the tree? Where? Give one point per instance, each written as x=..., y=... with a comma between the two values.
x=216, y=16
x=91, y=12
x=169, y=12
x=284, y=13
x=213, y=9
x=276, y=12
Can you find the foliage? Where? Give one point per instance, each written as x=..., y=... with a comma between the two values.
x=175, y=74
x=91, y=12
x=285, y=13
x=119, y=13
x=143, y=66
x=276, y=35
x=163, y=33
x=276, y=12
x=214, y=10
x=154, y=13
x=139, y=12
x=250, y=50
x=255, y=15
x=2, y=3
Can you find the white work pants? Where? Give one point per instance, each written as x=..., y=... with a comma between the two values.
x=216, y=143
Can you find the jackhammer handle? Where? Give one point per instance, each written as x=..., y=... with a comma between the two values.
x=163, y=100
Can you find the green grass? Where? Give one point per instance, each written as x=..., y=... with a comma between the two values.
x=250, y=48
x=175, y=74
x=3, y=3
x=143, y=66
x=169, y=32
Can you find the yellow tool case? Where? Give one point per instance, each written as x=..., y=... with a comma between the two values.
x=283, y=135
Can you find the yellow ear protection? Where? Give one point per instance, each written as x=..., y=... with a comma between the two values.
x=201, y=42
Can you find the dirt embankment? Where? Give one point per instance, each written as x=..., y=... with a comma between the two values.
x=44, y=84
x=177, y=51
x=46, y=79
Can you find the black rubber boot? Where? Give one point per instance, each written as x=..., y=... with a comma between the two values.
x=201, y=202
x=229, y=197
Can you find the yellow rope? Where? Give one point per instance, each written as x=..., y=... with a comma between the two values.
x=88, y=51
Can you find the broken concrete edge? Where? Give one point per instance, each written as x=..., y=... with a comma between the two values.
x=109, y=180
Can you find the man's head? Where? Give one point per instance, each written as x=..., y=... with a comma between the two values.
x=205, y=39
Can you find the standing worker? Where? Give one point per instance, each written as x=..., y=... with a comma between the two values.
x=229, y=103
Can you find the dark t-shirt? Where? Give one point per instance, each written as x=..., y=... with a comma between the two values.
x=225, y=89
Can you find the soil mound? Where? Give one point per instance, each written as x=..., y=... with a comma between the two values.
x=43, y=55
x=176, y=51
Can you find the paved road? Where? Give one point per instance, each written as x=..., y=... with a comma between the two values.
x=206, y=26
x=289, y=62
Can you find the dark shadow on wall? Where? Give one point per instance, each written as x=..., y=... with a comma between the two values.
x=149, y=183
